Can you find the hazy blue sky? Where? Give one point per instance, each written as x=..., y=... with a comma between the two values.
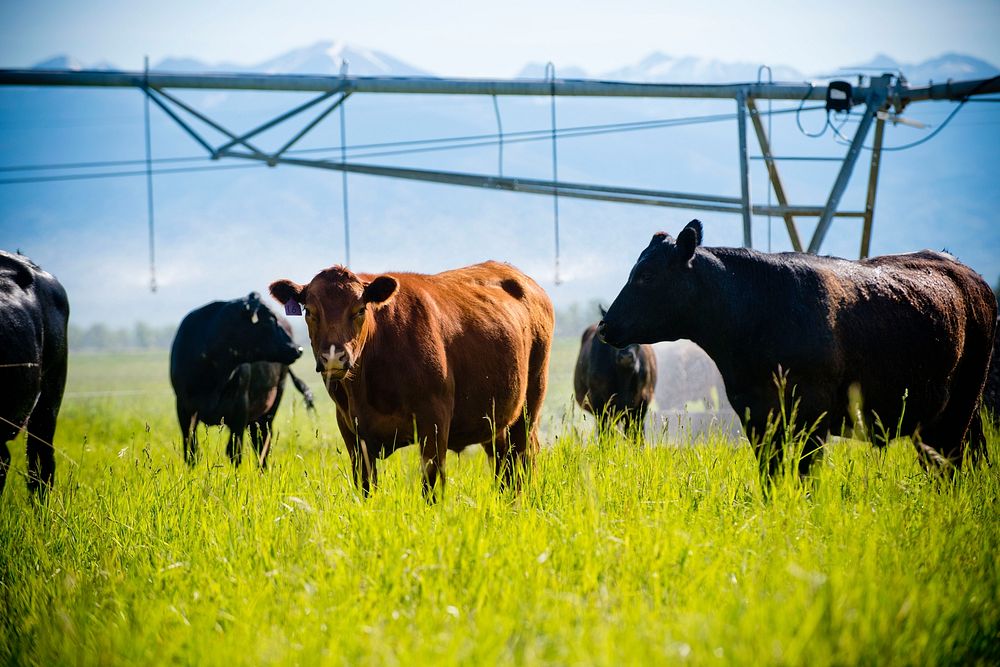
x=473, y=38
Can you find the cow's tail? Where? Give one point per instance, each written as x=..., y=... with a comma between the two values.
x=303, y=389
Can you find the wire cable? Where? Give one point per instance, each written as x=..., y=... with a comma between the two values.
x=482, y=139
x=798, y=113
x=119, y=174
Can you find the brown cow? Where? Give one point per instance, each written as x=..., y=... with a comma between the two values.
x=444, y=361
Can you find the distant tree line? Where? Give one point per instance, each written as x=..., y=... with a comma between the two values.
x=570, y=321
x=102, y=338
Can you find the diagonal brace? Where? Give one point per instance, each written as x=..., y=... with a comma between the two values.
x=291, y=142
x=274, y=121
x=876, y=98
x=208, y=121
x=772, y=170
x=177, y=119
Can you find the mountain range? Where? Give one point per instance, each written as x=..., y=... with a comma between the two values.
x=235, y=227
x=328, y=56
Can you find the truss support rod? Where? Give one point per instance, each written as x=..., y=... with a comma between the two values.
x=177, y=119
x=772, y=170
x=205, y=119
x=741, y=123
x=291, y=142
x=275, y=121
x=866, y=231
x=874, y=102
x=953, y=90
x=535, y=186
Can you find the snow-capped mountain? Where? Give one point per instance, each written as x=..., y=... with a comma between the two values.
x=326, y=57
x=946, y=66
x=61, y=61
x=537, y=71
x=660, y=67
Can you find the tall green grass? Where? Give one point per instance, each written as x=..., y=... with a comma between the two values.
x=613, y=553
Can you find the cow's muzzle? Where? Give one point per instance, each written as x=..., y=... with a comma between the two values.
x=335, y=364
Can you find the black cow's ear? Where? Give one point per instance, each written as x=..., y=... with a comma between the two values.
x=604, y=313
x=688, y=240
x=380, y=290
x=285, y=290
x=658, y=238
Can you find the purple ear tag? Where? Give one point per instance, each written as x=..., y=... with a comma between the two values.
x=292, y=307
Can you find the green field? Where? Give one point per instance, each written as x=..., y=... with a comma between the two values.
x=612, y=554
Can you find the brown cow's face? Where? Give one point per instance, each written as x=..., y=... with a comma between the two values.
x=337, y=306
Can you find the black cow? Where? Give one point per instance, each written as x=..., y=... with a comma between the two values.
x=991, y=392
x=904, y=338
x=228, y=365
x=612, y=383
x=34, y=313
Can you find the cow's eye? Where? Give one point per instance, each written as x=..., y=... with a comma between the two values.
x=359, y=314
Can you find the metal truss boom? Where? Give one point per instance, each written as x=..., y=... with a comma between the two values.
x=954, y=90
x=881, y=93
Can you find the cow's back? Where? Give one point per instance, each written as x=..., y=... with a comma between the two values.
x=903, y=325
x=191, y=346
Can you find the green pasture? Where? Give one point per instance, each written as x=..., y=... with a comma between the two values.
x=613, y=553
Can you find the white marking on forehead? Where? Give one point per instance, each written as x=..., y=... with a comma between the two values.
x=332, y=354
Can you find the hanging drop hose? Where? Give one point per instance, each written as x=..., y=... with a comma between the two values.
x=550, y=74
x=496, y=110
x=149, y=182
x=343, y=176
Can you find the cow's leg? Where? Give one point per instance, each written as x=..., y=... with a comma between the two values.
x=188, y=421
x=629, y=421
x=958, y=429
x=261, y=429
x=524, y=443
x=260, y=438
x=4, y=463
x=640, y=421
x=234, y=448
x=363, y=467
x=42, y=429
x=501, y=458
x=433, y=440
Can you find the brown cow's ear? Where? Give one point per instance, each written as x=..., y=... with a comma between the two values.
x=688, y=240
x=380, y=290
x=285, y=290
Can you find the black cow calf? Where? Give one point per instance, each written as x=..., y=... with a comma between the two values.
x=615, y=384
x=227, y=366
x=902, y=339
x=33, y=316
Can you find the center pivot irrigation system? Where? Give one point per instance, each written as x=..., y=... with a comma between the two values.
x=881, y=96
